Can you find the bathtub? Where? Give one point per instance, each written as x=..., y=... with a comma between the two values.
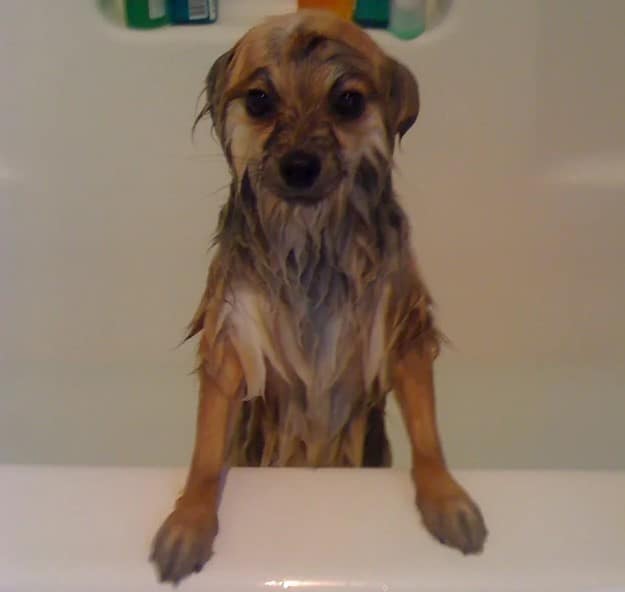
x=514, y=181
x=331, y=530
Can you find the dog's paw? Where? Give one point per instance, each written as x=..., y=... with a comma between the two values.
x=452, y=517
x=184, y=543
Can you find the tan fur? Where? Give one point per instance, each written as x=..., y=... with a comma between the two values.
x=271, y=314
x=313, y=308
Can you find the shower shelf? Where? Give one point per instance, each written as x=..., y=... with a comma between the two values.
x=235, y=18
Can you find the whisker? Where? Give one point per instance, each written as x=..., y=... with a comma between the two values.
x=219, y=155
x=219, y=189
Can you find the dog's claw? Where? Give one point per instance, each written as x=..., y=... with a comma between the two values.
x=454, y=520
x=184, y=543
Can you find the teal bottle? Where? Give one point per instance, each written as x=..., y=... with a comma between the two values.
x=372, y=13
x=193, y=11
x=407, y=18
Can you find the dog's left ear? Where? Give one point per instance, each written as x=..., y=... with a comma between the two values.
x=403, y=98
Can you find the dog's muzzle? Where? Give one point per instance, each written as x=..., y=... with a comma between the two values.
x=302, y=175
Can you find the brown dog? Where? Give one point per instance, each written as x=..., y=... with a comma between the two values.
x=314, y=309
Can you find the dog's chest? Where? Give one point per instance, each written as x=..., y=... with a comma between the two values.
x=325, y=360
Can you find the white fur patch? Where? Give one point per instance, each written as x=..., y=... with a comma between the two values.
x=376, y=138
x=263, y=334
x=240, y=135
x=251, y=337
x=374, y=359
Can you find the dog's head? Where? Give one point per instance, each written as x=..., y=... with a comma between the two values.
x=301, y=100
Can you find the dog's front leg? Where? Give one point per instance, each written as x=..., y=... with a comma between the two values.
x=447, y=510
x=185, y=540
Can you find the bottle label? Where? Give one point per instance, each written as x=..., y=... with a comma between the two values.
x=156, y=9
x=198, y=9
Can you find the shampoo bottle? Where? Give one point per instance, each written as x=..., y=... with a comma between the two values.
x=342, y=8
x=407, y=18
x=372, y=13
x=193, y=11
x=146, y=14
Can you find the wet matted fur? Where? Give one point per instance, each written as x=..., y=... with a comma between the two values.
x=314, y=297
x=314, y=307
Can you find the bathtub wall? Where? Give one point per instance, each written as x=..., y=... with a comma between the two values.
x=513, y=177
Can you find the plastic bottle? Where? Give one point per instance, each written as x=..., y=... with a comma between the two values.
x=193, y=11
x=146, y=14
x=342, y=8
x=372, y=13
x=407, y=18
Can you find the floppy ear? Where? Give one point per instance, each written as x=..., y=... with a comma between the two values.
x=216, y=79
x=403, y=98
x=213, y=90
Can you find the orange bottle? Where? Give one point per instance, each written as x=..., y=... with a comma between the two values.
x=342, y=8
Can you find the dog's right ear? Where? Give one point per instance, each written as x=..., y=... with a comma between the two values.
x=213, y=89
x=403, y=98
x=216, y=79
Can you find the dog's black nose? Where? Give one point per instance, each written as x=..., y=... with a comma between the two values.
x=300, y=169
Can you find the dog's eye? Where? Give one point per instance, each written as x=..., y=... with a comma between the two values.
x=258, y=103
x=350, y=104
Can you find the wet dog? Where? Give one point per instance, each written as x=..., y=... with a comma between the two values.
x=314, y=308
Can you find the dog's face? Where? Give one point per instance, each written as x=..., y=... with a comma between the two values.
x=301, y=100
